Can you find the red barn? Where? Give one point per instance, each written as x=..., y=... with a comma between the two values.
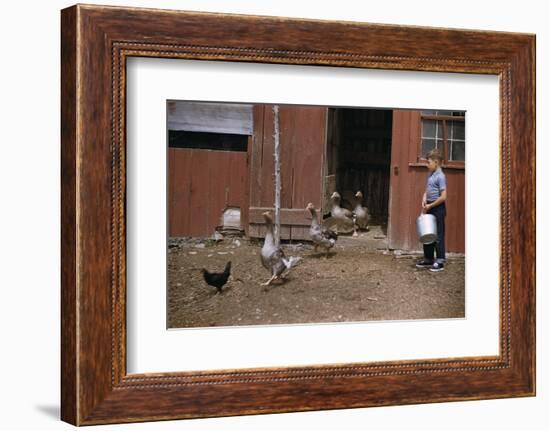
x=221, y=156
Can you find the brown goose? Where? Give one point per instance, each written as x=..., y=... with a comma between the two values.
x=320, y=235
x=273, y=257
x=361, y=212
x=342, y=216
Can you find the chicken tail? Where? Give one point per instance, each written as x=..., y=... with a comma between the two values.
x=227, y=267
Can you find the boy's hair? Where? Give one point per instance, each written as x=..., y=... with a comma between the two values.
x=435, y=154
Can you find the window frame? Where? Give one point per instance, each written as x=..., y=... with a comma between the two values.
x=461, y=164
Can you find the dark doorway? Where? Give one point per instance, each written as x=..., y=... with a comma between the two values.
x=359, y=156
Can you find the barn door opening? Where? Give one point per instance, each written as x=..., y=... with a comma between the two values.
x=358, y=159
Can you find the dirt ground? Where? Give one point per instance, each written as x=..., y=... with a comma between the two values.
x=356, y=283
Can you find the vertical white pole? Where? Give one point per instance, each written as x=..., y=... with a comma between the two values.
x=277, y=153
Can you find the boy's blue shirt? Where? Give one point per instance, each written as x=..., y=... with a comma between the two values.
x=436, y=183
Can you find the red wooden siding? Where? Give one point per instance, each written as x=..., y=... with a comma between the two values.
x=400, y=182
x=302, y=137
x=201, y=184
x=408, y=183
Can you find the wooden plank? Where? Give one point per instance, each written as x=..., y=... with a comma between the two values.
x=416, y=179
x=404, y=184
x=308, y=146
x=219, y=169
x=170, y=195
x=233, y=118
x=300, y=233
x=455, y=220
x=235, y=180
x=199, y=207
x=179, y=198
x=255, y=154
x=285, y=231
x=202, y=184
x=258, y=231
x=247, y=183
x=461, y=225
x=399, y=196
x=186, y=178
x=287, y=119
x=171, y=199
x=289, y=216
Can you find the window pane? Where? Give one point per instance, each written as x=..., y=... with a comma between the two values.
x=207, y=141
x=428, y=128
x=429, y=144
x=457, y=130
x=457, y=150
x=432, y=129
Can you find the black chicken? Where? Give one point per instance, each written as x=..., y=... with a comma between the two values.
x=217, y=279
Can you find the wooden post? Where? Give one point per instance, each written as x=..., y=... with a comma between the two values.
x=277, y=154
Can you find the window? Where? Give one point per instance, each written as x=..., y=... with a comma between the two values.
x=445, y=131
x=207, y=141
x=209, y=126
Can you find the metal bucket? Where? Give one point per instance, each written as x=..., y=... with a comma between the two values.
x=426, y=226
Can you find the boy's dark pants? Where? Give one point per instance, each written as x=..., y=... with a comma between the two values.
x=439, y=245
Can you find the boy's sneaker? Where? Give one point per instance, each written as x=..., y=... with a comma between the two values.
x=424, y=263
x=437, y=267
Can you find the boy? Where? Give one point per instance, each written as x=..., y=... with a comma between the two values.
x=433, y=202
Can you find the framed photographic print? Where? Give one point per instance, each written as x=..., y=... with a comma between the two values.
x=258, y=216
